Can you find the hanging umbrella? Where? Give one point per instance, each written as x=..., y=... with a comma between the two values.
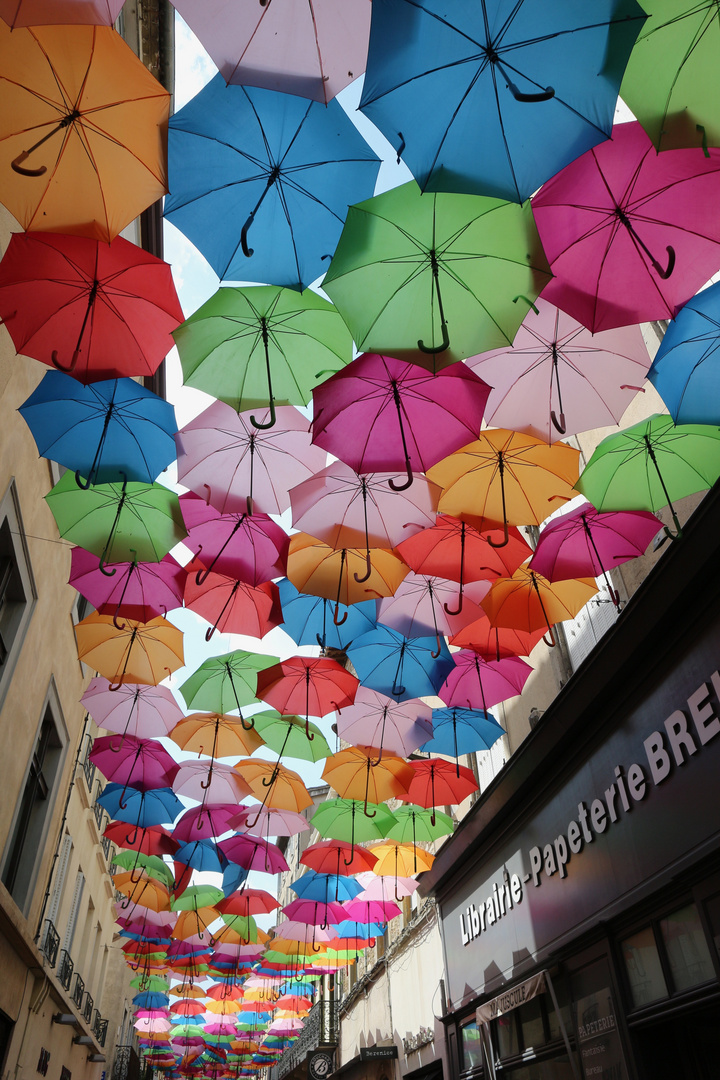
x=586, y=543
x=478, y=683
x=308, y=619
x=262, y=346
x=395, y=859
x=289, y=735
x=413, y=823
x=375, y=887
x=355, y=774
x=140, y=591
x=232, y=606
x=118, y=522
x=202, y=822
x=139, y=808
x=419, y=607
x=277, y=786
x=152, y=865
x=274, y=821
x=495, y=642
x=96, y=310
x=136, y=653
x=235, y=466
x=671, y=81
x=527, y=600
x=216, y=787
x=687, y=364
x=151, y=840
x=420, y=276
x=649, y=465
x=315, y=912
x=37, y=12
x=381, y=414
x=254, y=853
x=507, y=477
x=436, y=783
x=238, y=154
x=312, y=50
x=377, y=720
x=342, y=576
x=227, y=682
x=140, y=763
x=249, y=902
x=337, y=857
x=558, y=379
x=494, y=97
x=346, y=510
x=309, y=686
x=82, y=136
x=217, y=735
x=459, y=731
x=251, y=547
x=400, y=667
x=369, y=911
x=630, y=234
x=132, y=709
x=345, y=819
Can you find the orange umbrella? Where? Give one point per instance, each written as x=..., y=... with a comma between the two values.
x=194, y=922
x=355, y=774
x=215, y=734
x=341, y=576
x=138, y=653
x=278, y=786
x=506, y=477
x=142, y=890
x=187, y=990
x=528, y=601
x=400, y=860
x=83, y=133
x=222, y=1007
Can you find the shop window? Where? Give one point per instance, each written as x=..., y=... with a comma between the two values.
x=470, y=1048
x=531, y=1023
x=687, y=951
x=643, y=967
x=17, y=589
x=506, y=1030
x=713, y=912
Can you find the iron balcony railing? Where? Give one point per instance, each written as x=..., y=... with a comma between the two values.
x=88, y=1007
x=98, y=809
x=78, y=990
x=65, y=969
x=321, y=1029
x=50, y=943
x=126, y=1065
x=107, y=846
x=87, y=766
x=99, y=1027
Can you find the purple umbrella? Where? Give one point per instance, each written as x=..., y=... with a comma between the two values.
x=254, y=853
x=132, y=709
x=477, y=684
x=204, y=822
x=420, y=605
x=379, y=414
x=236, y=466
x=376, y=720
x=251, y=548
x=142, y=764
x=137, y=590
x=223, y=785
x=587, y=543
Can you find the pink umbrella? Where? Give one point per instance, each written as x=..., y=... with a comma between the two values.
x=150, y=1025
x=226, y=1028
x=203, y=822
x=587, y=543
x=232, y=606
x=252, y=548
x=376, y=720
x=132, y=708
x=558, y=379
x=157, y=921
x=236, y=466
x=225, y=784
x=140, y=763
x=478, y=683
x=630, y=234
x=420, y=606
x=346, y=510
x=379, y=414
x=272, y=821
x=369, y=911
x=135, y=590
x=292, y=930
x=254, y=853
x=377, y=887
x=315, y=912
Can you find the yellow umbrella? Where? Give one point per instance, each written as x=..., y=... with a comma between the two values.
x=223, y=1007
x=528, y=601
x=138, y=653
x=278, y=787
x=400, y=860
x=355, y=774
x=83, y=130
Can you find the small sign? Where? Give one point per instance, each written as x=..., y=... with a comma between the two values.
x=511, y=999
x=320, y=1065
x=370, y=1053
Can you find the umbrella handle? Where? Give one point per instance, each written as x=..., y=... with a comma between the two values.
x=551, y=643
x=103, y=570
x=397, y=690
x=460, y=601
x=444, y=344
x=701, y=130
x=320, y=641
x=409, y=473
x=521, y=296
x=504, y=540
x=401, y=148
x=435, y=654
x=543, y=95
x=16, y=165
x=308, y=732
x=665, y=274
x=250, y=724
x=368, y=564
x=559, y=425
x=271, y=422
x=61, y=367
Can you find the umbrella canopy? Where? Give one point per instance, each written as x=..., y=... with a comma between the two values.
x=650, y=464
x=277, y=786
x=141, y=763
x=254, y=853
x=139, y=808
x=136, y=653
x=493, y=98
x=478, y=683
x=413, y=824
x=274, y=821
x=227, y=682
x=421, y=604
x=395, y=859
x=439, y=783
x=558, y=378
x=133, y=708
x=377, y=720
x=202, y=822
x=243, y=159
x=211, y=784
x=232, y=606
x=355, y=774
x=400, y=667
x=527, y=600
x=630, y=233
x=495, y=642
x=345, y=819
x=251, y=547
x=308, y=619
x=113, y=304
x=83, y=130
x=310, y=686
x=459, y=731
x=37, y=12
x=292, y=736
x=419, y=276
x=225, y=459
x=118, y=522
x=686, y=367
x=217, y=735
x=139, y=591
x=150, y=840
x=337, y=857
x=342, y=576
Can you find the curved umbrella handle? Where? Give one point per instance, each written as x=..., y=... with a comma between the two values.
x=84, y=485
x=665, y=273
x=320, y=641
x=460, y=601
x=408, y=482
x=248, y=252
x=308, y=732
x=551, y=643
x=397, y=690
x=205, y=785
x=250, y=724
x=559, y=425
x=521, y=296
x=435, y=654
x=271, y=422
x=61, y=367
x=103, y=569
x=542, y=95
x=505, y=539
x=401, y=148
x=116, y=624
x=16, y=165
x=442, y=347
x=339, y=622
x=368, y=566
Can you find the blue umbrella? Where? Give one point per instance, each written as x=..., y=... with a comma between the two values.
x=308, y=620
x=140, y=808
x=314, y=886
x=493, y=97
x=246, y=161
x=400, y=667
x=350, y=927
x=107, y=432
x=461, y=731
x=198, y=855
x=234, y=877
x=151, y=999
x=686, y=368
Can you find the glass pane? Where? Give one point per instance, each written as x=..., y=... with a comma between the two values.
x=558, y=1068
x=470, y=1043
x=687, y=950
x=531, y=1023
x=713, y=912
x=642, y=964
x=507, y=1035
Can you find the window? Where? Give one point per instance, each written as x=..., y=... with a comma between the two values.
x=470, y=1048
x=667, y=957
x=17, y=588
x=25, y=846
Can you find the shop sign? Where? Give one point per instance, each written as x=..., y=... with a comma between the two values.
x=371, y=1053
x=599, y=1044
x=511, y=999
x=320, y=1065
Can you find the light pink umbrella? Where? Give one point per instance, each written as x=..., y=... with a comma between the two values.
x=291, y=930
x=385, y=888
x=251, y=548
x=558, y=379
x=272, y=821
x=477, y=684
x=236, y=466
x=376, y=720
x=225, y=784
x=132, y=709
x=149, y=1025
x=420, y=606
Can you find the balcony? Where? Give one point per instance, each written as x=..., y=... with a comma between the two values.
x=321, y=1029
x=88, y=768
x=98, y=810
x=88, y=1007
x=50, y=943
x=65, y=969
x=126, y=1065
x=99, y=1027
x=78, y=990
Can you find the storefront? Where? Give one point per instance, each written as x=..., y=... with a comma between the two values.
x=595, y=858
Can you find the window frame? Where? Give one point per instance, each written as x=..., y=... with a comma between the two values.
x=10, y=515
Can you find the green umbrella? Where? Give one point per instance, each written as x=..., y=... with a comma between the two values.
x=263, y=345
x=672, y=81
x=413, y=823
x=287, y=735
x=152, y=865
x=650, y=464
x=197, y=896
x=224, y=683
x=434, y=278
x=243, y=925
x=149, y=982
x=345, y=819
x=127, y=522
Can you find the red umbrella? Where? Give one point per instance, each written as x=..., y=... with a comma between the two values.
x=437, y=783
x=478, y=683
x=252, y=548
x=307, y=686
x=337, y=857
x=232, y=606
x=96, y=310
x=153, y=840
x=248, y=902
x=495, y=642
x=140, y=591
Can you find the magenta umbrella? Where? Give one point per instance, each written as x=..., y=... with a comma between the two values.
x=251, y=548
x=376, y=720
x=39, y=12
x=236, y=466
x=135, y=590
x=254, y=853
x=315, y=912
x=587, y=543
x=558, y=379
x=630, y=234
x=379, y=414
x=224, y=785
x=478, y=683
x=371, y=911
x=346, y=510
x=140, y=763
x=132, y=709
x=204, y=822
x=421, y=603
